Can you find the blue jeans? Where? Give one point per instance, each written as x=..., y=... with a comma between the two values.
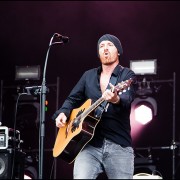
x=116, y=161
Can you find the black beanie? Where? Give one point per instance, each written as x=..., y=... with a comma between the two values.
x=113, y=39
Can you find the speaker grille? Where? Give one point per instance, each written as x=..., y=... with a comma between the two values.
x=11, y=164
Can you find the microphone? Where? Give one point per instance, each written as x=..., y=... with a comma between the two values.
x=64, y=39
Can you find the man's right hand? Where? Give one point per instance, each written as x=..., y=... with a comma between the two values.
x=61, y=120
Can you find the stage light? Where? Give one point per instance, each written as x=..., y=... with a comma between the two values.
x=146, y=176
x=144, y=67
x=30, y=169
x=30, y=173
x=27, y=72
x=145, y=109
x=143, y=114
x=144, y=106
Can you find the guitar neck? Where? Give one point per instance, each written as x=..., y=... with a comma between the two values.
x=92, y=107
x=119, y=88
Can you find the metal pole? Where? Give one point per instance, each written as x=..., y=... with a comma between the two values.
x=57, y=106
x=42, y=119
x=174, y=126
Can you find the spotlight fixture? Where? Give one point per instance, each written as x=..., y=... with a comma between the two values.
x=27, y=72
x=144, y=67
x=144, y=109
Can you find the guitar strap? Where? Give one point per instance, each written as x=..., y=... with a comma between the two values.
x=103, y=106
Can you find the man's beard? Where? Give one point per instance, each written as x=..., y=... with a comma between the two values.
x=108, y=61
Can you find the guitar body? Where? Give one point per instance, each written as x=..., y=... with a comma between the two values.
x=69, y=143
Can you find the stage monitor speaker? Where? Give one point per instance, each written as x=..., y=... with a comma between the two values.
x=12, y=164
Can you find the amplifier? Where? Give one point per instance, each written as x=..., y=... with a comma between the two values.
x=9, y=138
x=4, y=134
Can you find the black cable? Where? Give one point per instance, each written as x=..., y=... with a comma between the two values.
x=52, y=168
x=14, y=134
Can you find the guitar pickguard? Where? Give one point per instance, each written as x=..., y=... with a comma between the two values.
x=77, y=120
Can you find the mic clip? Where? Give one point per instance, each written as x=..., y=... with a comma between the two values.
x=63, y=39
x=33, y=90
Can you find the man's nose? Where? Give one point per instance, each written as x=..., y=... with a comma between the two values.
x=105, y=47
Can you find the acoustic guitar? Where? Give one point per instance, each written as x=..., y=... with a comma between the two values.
x=80, y=127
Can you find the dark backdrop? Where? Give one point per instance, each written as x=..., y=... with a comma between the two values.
x=147, y=30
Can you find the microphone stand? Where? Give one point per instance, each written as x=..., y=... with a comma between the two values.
x=42, y=108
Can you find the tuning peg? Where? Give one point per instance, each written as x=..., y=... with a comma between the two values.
x=120, y=93
x=124, y=90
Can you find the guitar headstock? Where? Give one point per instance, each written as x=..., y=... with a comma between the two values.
x=123, y=86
